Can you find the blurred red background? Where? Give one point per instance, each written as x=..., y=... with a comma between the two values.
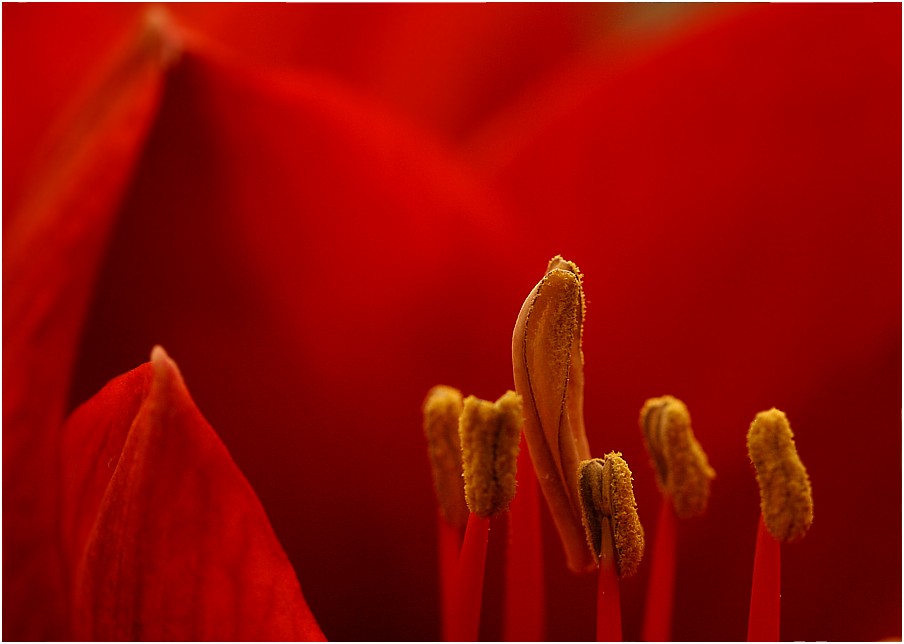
x=338, y=206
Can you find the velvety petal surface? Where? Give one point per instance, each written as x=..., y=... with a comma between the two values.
x=180, y=548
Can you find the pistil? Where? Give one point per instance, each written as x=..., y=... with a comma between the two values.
x=786, y=503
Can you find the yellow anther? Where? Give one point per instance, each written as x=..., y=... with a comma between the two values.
x=549, y=373
x=607, y=503
x=682, y=469
x=442, y=409
x=489, y=444
x=786, y=498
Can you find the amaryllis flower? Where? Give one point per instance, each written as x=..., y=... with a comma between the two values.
x=322, y=212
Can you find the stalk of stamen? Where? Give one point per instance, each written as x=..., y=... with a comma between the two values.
x=608, y=597
x=524, y=608
x=614, y=534
x=548, y=368
x=442, y=409
x=683, y=475
x=467, y=595
x=489, y=440
x=764, y=621
x=786, y=513
x=657, y=621
x=450, y=542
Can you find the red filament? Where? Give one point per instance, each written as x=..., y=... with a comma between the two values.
x=467, y=595
x=765, y=594
x=524, y=617
x=657, y=623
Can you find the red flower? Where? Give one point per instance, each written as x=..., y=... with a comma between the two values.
x=321, y=212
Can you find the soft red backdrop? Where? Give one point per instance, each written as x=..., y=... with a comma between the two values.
x=337, y=207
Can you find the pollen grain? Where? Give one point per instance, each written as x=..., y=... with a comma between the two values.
x=606, y=491
x=490, y=433
x=786, y=497
x=442, y=408
x=682, y=469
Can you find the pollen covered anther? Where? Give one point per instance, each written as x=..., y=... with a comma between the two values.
x=489, y=443
x=442, y=409
x=607, y=502
x=786, y=498
x=682, y=469
x=548, y=367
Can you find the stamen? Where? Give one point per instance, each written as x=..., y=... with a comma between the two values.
x=614, y=534
x=442, y=409
x=682, y=469
x=549, y=374
x=786, y=498
x=489, y=442
x=489, y=446
x=786, y=504
x=607, y=494
x=683, y=474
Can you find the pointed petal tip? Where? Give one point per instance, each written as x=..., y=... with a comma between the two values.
x=162, y=34
x=158, y=354
x=163, y=364
x=161, y=360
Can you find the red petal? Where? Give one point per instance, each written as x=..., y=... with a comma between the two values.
x=444, y=67
x=53, y=51
x=181, y=548
x=51, y=253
